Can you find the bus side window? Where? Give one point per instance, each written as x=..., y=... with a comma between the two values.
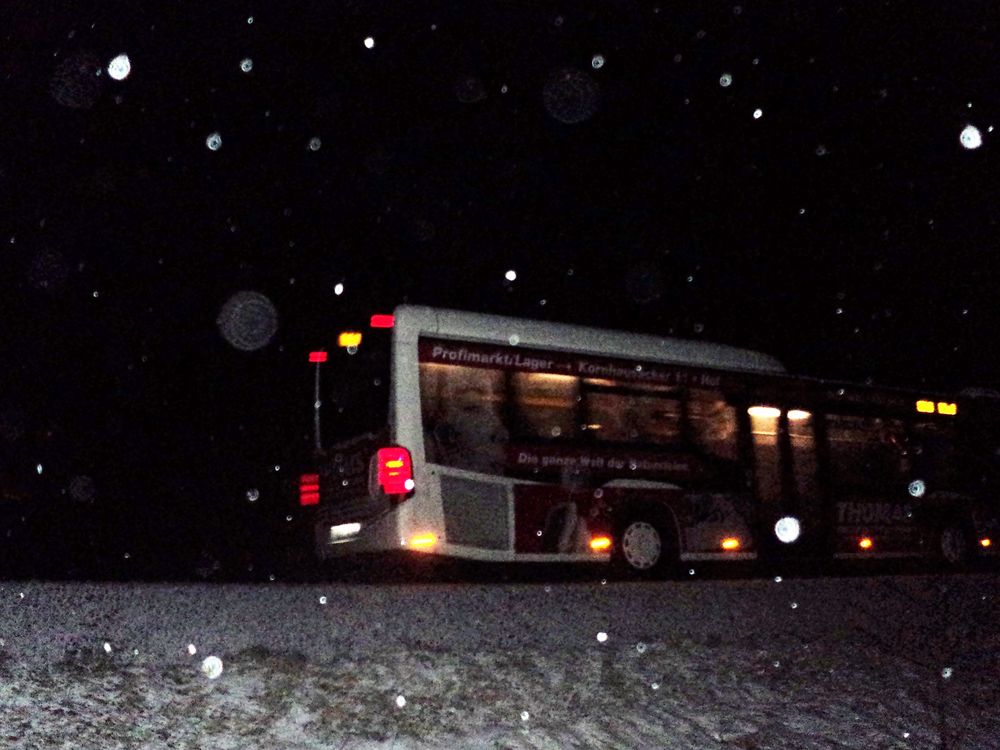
x=865, y=452
x=713, y=423
x=544, y=406
x=936, y=458
x=461, y=408
x=802, y=438
x=767, y=457
x=619, y=415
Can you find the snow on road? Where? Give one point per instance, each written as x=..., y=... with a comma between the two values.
x=880, y=662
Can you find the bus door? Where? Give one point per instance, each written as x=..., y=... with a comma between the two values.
x=785, y=481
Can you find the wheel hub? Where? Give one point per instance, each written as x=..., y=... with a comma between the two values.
x=641, y=545
x=952, y=545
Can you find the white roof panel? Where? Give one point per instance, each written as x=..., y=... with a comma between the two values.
x=412, y=321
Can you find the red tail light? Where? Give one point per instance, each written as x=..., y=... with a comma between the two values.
x=382, y=321
x=395, y=470
x=309, y=489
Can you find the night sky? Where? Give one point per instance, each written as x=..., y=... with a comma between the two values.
x=793, y=177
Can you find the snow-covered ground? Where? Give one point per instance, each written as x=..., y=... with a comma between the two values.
x=880, y=662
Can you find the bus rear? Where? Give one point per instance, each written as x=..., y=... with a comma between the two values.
x=355, y=479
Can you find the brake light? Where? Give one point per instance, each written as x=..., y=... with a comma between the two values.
x=395, y=470
x=309, y=489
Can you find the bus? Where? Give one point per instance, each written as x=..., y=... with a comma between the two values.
x=500, y=439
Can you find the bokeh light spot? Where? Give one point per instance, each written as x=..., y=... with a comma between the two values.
x=120, y=67
x=248, y=321
x=970, y=137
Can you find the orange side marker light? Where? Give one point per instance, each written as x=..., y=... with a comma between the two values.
x=600, y=543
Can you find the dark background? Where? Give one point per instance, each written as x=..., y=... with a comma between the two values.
x=846, y=230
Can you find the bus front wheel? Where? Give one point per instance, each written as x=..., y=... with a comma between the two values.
x=646, y=548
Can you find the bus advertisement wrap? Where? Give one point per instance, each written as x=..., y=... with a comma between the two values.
x=517, y=359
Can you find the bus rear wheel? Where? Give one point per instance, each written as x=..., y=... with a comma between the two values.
x=645, y=548
x=954, y=545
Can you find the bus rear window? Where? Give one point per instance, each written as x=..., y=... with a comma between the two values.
x=357, y=390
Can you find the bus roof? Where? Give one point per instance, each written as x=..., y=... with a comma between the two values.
x=413, y=320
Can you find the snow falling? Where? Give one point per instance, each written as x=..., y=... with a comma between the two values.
x=76, y=82
x=970, y=137
x=211, y=667
x=571, y=96
x=120, y=67
x=697, y=663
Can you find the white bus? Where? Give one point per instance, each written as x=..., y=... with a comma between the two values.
x=516, y=440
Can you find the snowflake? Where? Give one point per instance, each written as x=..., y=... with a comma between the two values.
x=970, y=137
x=211, y=667
x=120, y=67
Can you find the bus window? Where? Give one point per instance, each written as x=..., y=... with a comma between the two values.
x=935, y=457
x=631, y=415
x=713, y=423
x=462, y=416
x=804, y=466
x=767, y=459
x=545, y=406
x=866, y=452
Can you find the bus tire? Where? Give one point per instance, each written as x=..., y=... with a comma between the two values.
x=647, y=547
x=954, y=545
